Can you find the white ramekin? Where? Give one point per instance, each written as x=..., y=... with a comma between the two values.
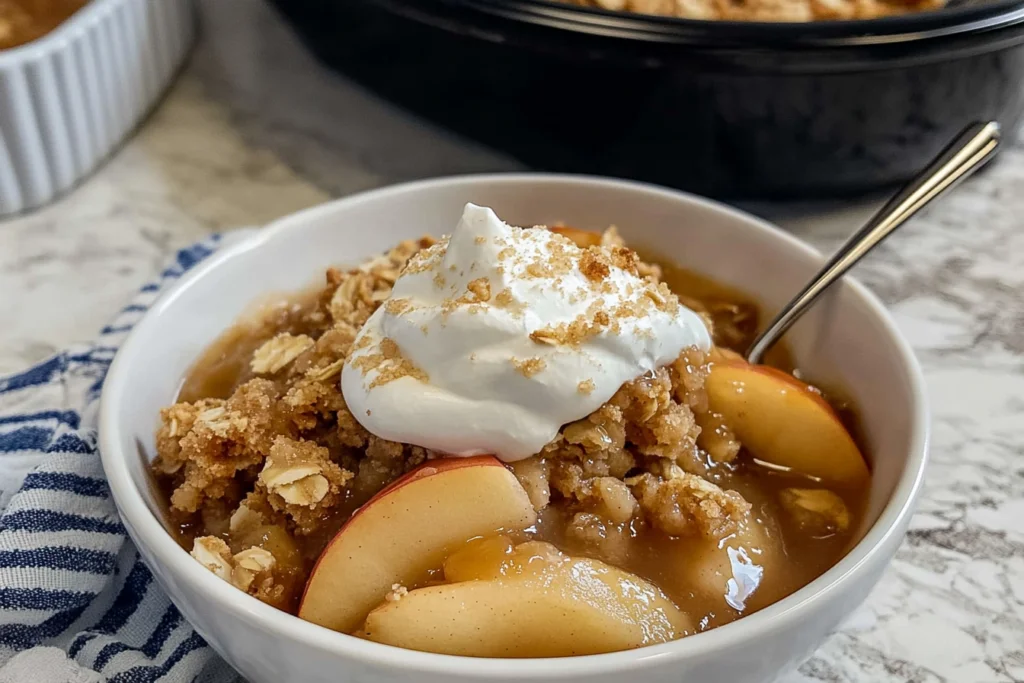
x=68, y=98
x=848, y=340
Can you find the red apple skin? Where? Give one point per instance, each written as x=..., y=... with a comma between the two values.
x=806, y=433
x=786, y=378
x=429, y=470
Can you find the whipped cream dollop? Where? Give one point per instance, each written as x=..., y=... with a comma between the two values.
x=497, y=336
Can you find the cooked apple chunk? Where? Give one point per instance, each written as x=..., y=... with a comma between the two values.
x=729, y=570
x=408, y=529
x=784, y=422
x=818, y=511
x=528, y=601
x=481, y=558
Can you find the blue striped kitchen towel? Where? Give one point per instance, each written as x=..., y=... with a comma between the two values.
x=77, y=604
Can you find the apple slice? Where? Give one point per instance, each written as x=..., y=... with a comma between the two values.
x=731, y=569
x=408, y=529
x=582, y=238
x=784, y=422
x=554, y=606
x=481, y=558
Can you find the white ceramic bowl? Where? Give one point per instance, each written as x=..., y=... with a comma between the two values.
x=70, y=97
x=848, y=341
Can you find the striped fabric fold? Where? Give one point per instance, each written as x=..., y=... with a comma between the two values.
x=70, y=578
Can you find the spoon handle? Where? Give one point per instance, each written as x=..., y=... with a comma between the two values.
x=969, y=152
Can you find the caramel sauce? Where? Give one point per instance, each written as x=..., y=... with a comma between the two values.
x=224, y=365
x=22, y=21
x=785, y=559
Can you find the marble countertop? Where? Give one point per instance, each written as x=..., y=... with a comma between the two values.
x=254, y=129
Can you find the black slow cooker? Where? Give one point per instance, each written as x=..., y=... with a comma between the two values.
x=728, y=109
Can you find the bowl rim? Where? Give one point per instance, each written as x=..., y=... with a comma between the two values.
x=139, y=519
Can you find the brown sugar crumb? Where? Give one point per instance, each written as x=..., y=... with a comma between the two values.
x=561, y=258
x=506, y=301
x=480, y=288
x=439, y=281
x=594, y=264
x=538, y=270
x=625, y=259
x=529, y=367
x=389, y=363
x=479, y=239
x=586, y=387
x=395, y=367
x=427, y=259
x=398, y=306
x=575, y=333
x=477, y=292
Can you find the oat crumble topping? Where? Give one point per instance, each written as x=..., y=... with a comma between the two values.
x=282, y=457
x=279, y=352
x=765, y=10
x=398, y=306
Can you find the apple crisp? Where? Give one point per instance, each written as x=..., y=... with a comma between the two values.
x=263, y=462
x=766, y=10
